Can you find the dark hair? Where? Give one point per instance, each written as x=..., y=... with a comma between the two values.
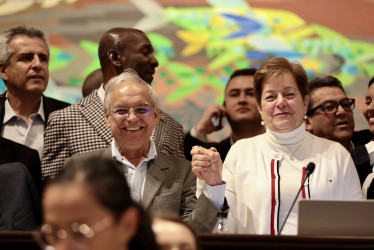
x=276, y=66
x=320, y=82
x=174, y=217
x=108, y=184
x=371, y=81
x=7, y=51
x=241, y=72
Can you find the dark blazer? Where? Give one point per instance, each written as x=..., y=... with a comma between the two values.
x=50, y=105
x=14, y=152
x=20, y=206
x=361, y=159
x=169, y=185
x=81, y=128
x=222, y=147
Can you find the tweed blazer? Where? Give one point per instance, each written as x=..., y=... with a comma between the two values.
x=50, y=105
x=81, y=128
x=170, y=185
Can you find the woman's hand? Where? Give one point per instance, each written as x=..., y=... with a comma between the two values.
x=207, y=165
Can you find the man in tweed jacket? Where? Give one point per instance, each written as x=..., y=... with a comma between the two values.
x=81, y=127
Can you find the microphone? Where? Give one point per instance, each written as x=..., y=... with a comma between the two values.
x=309, y=170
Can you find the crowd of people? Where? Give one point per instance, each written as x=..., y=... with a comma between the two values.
x=103, y=165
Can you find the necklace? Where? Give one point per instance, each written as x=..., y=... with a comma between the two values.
x=298, y=146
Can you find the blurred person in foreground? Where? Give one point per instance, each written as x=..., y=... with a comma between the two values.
x=262, y=174
x=89, y=207
x=172, y=233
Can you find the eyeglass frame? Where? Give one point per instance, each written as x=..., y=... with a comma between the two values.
x=132, y=110
x=352, y=106
x=75, y=227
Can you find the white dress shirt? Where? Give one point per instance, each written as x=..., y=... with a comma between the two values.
x=135, y=175
x=15, y=128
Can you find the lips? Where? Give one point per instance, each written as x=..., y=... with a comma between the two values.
x=39, y=77
x=132, y=128
x=282, y=114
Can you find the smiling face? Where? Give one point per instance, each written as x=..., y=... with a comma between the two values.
x=337, y=127
x=282, y=105
x=133, y=133
x=27, y=72
x=240, y=100
x=368, y=111
x=138, y=54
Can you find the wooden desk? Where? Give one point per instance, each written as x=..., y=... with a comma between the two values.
x=239, y=242
x=20, y=240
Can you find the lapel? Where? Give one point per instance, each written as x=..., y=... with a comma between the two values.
x=154, y=180
x=93, y=112
x=2, y=110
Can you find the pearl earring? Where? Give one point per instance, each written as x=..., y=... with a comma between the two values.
x=262, y=123
x=305, y=117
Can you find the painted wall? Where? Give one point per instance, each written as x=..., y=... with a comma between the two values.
x=200, y=43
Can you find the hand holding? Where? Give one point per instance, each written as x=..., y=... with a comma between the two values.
x=207, y=165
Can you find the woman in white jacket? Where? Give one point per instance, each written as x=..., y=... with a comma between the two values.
x=262, y=174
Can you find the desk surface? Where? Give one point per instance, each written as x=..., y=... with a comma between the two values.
x=17, y=240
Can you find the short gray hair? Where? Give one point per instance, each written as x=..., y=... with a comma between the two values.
x=6, y=51
x=128, y=76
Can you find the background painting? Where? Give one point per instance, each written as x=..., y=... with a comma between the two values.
x=200, y=43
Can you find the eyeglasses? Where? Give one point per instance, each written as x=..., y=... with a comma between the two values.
x=123, y=114
x=331, y=107
x=77, y=233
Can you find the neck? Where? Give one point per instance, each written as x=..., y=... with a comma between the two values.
x=134, y=156
x=24, y=105
x=246, y=130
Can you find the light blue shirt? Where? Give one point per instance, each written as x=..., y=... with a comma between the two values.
x=135, y=175
x=15, y=128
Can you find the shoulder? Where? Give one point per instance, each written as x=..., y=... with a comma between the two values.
x=173, y=161
x=165, y=117
x=362, y=137
x=81, y=158
x=54, y=103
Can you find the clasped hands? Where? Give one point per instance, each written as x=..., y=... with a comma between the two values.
x=207, y=165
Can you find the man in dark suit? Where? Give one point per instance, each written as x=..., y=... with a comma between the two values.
x=24, y=111
x=81, y=127
x=240, y=110
x=157, y=181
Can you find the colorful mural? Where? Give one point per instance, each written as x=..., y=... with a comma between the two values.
x=198, y=45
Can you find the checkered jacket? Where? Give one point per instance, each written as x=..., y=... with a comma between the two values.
x=81, y=127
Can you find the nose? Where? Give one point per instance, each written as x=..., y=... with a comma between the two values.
x=340, y=110
x=132, y=115
x=242, y=97
x=281, y=101
x=36, y=63
x=154, y=61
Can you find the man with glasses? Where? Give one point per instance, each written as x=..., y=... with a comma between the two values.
x=157, y=181
x=330, y=111
x=81, y=127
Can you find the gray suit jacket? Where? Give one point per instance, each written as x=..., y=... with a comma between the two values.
x=169, y=186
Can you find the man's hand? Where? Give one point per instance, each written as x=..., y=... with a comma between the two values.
x=207, y=165
x=205, y=125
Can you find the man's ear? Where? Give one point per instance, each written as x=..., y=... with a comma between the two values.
x=114, y=58
x=156, y=115
x=3, y=73
x=128, y=225
x=107, y=118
